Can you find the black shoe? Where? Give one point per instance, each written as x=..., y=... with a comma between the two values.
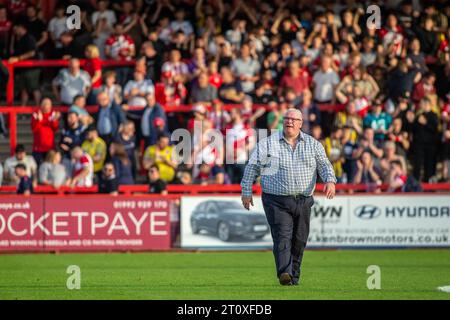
x=285, y=279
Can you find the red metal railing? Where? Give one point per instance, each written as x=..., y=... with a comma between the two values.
x=201, y=189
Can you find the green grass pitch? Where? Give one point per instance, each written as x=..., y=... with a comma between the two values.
x=340, y=274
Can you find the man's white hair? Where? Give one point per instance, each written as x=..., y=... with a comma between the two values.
x=293, y=110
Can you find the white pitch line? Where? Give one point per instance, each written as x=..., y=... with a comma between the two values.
x=444, y=289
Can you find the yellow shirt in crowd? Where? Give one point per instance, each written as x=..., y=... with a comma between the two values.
x=167, y=173
x=96, y=147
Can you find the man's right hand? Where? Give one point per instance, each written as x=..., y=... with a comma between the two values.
x=247, y=201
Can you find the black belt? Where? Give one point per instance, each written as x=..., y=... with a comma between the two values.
x=295, y=196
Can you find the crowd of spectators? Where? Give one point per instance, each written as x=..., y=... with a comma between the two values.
x=389, y=88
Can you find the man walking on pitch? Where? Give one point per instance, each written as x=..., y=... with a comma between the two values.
x=287, y=162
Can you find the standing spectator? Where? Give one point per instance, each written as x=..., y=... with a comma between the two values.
x=379, y=121
x=156, y=184
x=57, y=26
x=103, y=20
x=73, y=134
x=425, y=137
x=6, y=27
x=218, y=116
x=79, y=106
x=51, y=171
x=334, y=151
x=446, y=139
x=230, y=91
x=239, y=142
x=25, y=185
x=93, y=66
x=246, y=68
x=95, y=147
x=150, y=113
x=161, y=155
x=82, y=169
x=294, y=78
x=122, y=163
x=110, y=118
x=325, y=81
x=108, y=184
x=113, y=89
x=127, y=137
x=135, y=90
x=310, y=111
x=120, y=47
x=20, y=157
x=25, y=48
x=168, y=91
x=37, y=28
x=44, y=124
x=179, y=69
x=424, y=88
x=71, y=82
x=150, y=61
x=202, y=90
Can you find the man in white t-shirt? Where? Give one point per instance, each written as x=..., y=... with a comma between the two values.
x=135, y=90
x=181, y=24
x=325, y=81
x=57, y=26
x=71, y=82
x=82, y=168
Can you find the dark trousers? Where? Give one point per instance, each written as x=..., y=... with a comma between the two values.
x=424, y=157
x=289, y=218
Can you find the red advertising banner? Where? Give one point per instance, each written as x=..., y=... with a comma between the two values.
x=21, y=223
x=85, y=223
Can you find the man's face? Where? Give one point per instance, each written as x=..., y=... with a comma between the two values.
x=72, y=119
x=103, y=100
x=292, y=123
x=46, y=106
x=150, y=99
x=74, y=65
x=21, y=155
x=108, y=170
x=163, y=142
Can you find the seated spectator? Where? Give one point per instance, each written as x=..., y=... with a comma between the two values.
x=108, y=183
x=367, y=173
x=390, y=155
x=44, y=124
x=211, y=175
x=202, y=91
x=127, y=137
x=82, y=169
x=156, y=184
x=110, y=118
x=25, y=185
x=265, y=88
x=25, y=48
x=135, y=90
x=161, y=155
x=230, y=91
x=95, y=147
x=424, y=88
x=20, y=157
x=51, y=171
x=396, y=178
x=367, y=143
x=122, y=164
x=79, y=107
x=71, y=82
x=113, y=90
x=72, y=135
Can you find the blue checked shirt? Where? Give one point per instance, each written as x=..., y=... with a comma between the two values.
x=285, y=171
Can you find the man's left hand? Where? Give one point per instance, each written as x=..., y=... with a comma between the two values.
x=330, y=190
